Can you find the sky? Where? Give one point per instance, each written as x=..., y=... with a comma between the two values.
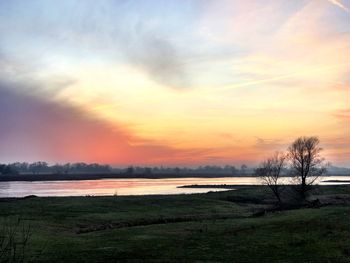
x=172, y=82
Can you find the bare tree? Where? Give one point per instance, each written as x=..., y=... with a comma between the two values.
x=270, y=171
x=307, y=165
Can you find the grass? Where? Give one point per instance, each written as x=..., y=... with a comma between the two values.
x=213, y=227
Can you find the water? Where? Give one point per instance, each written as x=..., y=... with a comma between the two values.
x=125, y=186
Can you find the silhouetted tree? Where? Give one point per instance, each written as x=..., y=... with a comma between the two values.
x=233, y=170
x=148, y=171
x=66, y=168
x=306, y=163
x=38, y=167
x=57, y=169
x=7, y=169
x=130, y=170
x=243, y=168
x=19, y=167
x=270, y=171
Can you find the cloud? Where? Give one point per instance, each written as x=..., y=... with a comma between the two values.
x=32, y=129
x=157, y=56
x=38, y=125
x=261, y=67
x=343, y=115
x=340, y=4
x=110, y=30
x=270, y=144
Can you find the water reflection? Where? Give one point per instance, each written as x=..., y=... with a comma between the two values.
x=125, y=186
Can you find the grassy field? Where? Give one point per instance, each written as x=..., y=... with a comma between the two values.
x=211, y=227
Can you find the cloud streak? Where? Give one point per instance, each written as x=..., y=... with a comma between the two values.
x=340, y=4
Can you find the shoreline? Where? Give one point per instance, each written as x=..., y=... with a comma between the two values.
x=217, y=186
x=336, y=181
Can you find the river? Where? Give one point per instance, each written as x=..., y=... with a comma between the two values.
x=126, y=186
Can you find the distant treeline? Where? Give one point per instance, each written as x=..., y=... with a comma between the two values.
x=207, y=169
x=131, y=171
x=94, y=168
x=45, y=168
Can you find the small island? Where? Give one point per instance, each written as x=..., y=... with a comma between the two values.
x=336, y=181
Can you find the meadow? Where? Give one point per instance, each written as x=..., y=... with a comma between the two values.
x=233, y=226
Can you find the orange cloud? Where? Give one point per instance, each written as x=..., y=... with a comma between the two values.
x=41, y=130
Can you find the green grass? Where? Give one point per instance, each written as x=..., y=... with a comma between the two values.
x=211, y=227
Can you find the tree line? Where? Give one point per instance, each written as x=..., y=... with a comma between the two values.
x=44, y=167
x=81, y=167
x=228, y=170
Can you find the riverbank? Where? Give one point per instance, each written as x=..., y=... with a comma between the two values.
x=220, y=226
x=216, y=186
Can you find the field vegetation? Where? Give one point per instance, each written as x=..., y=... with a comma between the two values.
x=241, y=225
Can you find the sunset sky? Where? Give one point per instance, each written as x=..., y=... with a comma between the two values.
x=172, y=82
